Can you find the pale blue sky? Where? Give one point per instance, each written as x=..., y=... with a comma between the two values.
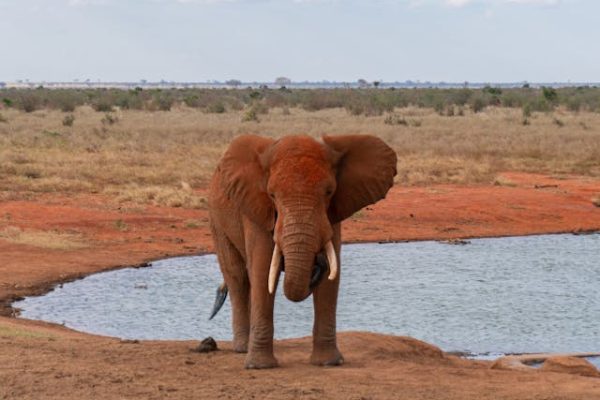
x=342, y=40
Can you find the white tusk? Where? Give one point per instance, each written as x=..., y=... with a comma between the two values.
x=274, y=269
x=332, y=259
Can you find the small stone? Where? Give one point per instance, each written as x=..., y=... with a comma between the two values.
x=207, y=345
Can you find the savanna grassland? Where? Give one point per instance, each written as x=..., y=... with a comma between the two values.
x=92, y=180
x=156, y=146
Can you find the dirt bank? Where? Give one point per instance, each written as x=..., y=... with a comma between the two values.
x=90, y=233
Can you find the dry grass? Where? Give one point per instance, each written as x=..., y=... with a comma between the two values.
x=145, y=156
x=12, y=332
x=44, y=239
x=157, y=195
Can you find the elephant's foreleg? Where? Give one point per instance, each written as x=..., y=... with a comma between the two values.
x=260, y=351
x=325, y=350
x=235, y=274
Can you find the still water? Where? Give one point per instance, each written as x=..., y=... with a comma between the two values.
x=504, y=295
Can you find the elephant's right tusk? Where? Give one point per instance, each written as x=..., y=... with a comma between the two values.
x=274, y=269
x=332, y=259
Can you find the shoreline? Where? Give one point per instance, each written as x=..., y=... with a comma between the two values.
x=6, y=306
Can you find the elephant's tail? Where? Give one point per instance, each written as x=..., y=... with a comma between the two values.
x=219, y=299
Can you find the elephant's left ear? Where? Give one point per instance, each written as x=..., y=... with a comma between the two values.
x=365, y=173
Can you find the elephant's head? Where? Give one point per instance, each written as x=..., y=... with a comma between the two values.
x=299, y=188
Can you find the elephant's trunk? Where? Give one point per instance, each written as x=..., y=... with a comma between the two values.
x=298, y=271
x=304, y=231
x=299, y=244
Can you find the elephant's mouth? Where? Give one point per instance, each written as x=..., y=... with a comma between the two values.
x=325, y=261
x=319, y=268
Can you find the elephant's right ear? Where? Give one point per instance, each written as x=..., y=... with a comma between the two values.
x=244, y=179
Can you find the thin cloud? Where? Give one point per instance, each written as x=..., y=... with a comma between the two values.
x=457, y=3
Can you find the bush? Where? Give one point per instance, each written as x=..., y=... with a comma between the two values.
x=395, y=119
x=7, y=102
x=103, y=105
x=494, y=91
x=526, y=110
x=192, y=101
x=109, y=119
x=216, y=108
x=477, y=104
x=250, y=115
x=550, y=94
x=68, y=120
x=64, y=100
x=30, y=101
x=164, y=101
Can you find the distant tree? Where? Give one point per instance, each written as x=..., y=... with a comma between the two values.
x=495, y=91
x=362, y=83
x=376, y=84
x=233, y=82
x=283, y=81
x=549, y=94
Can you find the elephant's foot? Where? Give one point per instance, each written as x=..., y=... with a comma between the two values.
x=328, y=356
x=261, y=361
x=240, y=345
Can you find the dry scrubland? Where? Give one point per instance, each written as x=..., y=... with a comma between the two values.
x=153, y=156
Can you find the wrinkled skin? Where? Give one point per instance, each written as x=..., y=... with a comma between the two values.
x=294, y=192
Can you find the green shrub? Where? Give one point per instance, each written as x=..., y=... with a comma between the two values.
x=526, y=111
x=103, y=105
x=550, y=94
x=494, y=91
x=250, y=115
x=216, y=108
x=164, y=101
x=192, y=101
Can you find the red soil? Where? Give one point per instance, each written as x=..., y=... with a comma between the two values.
x=40, y=360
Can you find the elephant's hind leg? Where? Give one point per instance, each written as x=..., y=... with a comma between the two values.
x=234, y=272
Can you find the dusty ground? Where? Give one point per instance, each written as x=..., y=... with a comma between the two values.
x=89, y=233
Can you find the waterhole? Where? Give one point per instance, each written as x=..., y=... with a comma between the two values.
x=490, y=296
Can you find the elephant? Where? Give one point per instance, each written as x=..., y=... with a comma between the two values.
x=277, y=206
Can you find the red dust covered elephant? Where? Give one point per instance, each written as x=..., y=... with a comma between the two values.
x=277, y=205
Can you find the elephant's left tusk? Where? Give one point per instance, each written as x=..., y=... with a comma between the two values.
x=274, y=269
x=332, y=259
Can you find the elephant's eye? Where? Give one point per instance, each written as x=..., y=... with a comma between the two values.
x=272, y=195
x=329, y=191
